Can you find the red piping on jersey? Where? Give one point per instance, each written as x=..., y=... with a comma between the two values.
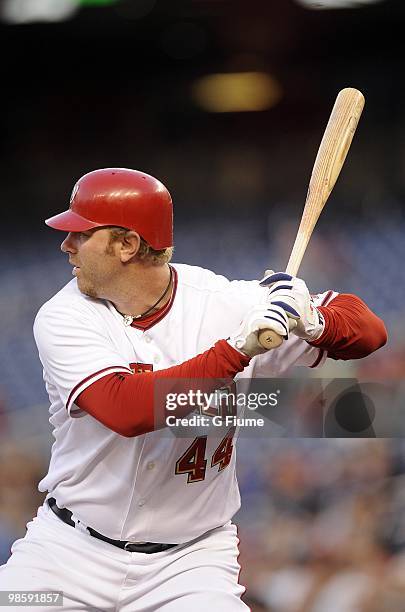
x=133, y=404
x=73, y=391
x=352, y=330
x=318, y=360
x=326, y=299
x=151, y=320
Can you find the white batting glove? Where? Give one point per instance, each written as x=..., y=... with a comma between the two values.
x=263, y=316
x=291, y=294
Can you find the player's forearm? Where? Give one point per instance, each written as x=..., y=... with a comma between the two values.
x=352, y=330
x=129, y=404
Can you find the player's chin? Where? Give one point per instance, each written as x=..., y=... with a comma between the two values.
x=87, y=289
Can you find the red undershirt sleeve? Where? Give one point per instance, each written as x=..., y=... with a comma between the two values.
x=126, y=403
x=352, y=330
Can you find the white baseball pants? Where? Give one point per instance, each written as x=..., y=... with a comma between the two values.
x=93, y=575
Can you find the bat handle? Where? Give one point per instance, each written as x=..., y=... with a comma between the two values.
x=269, y=339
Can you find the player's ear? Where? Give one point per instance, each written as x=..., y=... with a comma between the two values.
x=130, y=243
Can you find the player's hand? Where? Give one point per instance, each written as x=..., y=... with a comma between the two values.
x=262, y=316
x=291, y=294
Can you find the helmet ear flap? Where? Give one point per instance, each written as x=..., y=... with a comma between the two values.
x=121, y=197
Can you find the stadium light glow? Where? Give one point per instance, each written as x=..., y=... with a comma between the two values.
x=236, y=92
x=336, y=4
x=26, y=11
x=96, y=2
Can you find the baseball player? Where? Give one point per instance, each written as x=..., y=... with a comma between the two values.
x=136, y=519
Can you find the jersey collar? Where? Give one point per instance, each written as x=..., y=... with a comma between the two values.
x=147, y=322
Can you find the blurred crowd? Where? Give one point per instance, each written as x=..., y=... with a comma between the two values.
x=20, y=472
x=322, y=525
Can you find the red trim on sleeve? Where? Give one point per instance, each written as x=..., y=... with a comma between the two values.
x=327, y=298
x=352, y=330
x=318, y=359
x=127, y=403
x=82, y=382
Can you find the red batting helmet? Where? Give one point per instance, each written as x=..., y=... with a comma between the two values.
x=122, y=197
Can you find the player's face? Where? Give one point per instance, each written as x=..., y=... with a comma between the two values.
x=95, y=262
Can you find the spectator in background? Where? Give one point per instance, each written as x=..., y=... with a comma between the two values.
x=19, y=495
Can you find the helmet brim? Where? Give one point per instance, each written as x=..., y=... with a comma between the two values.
x=69, y=221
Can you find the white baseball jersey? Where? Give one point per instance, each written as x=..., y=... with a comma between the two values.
x=130, y=488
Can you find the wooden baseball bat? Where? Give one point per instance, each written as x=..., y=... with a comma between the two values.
x=331, y=155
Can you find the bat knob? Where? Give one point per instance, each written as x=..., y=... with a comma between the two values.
x=269, y=339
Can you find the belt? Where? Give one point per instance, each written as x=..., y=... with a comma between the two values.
x=145, y=547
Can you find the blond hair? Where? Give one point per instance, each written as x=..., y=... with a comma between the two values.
x=145, y=252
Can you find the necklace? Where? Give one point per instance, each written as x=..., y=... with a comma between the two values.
x=128, y=319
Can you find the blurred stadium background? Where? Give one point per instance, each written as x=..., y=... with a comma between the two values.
x=225, y=101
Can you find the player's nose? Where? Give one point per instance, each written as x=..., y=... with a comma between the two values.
x=68, y=245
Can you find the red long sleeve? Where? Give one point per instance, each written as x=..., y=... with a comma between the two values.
x=128, y=404
x=352, y=330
